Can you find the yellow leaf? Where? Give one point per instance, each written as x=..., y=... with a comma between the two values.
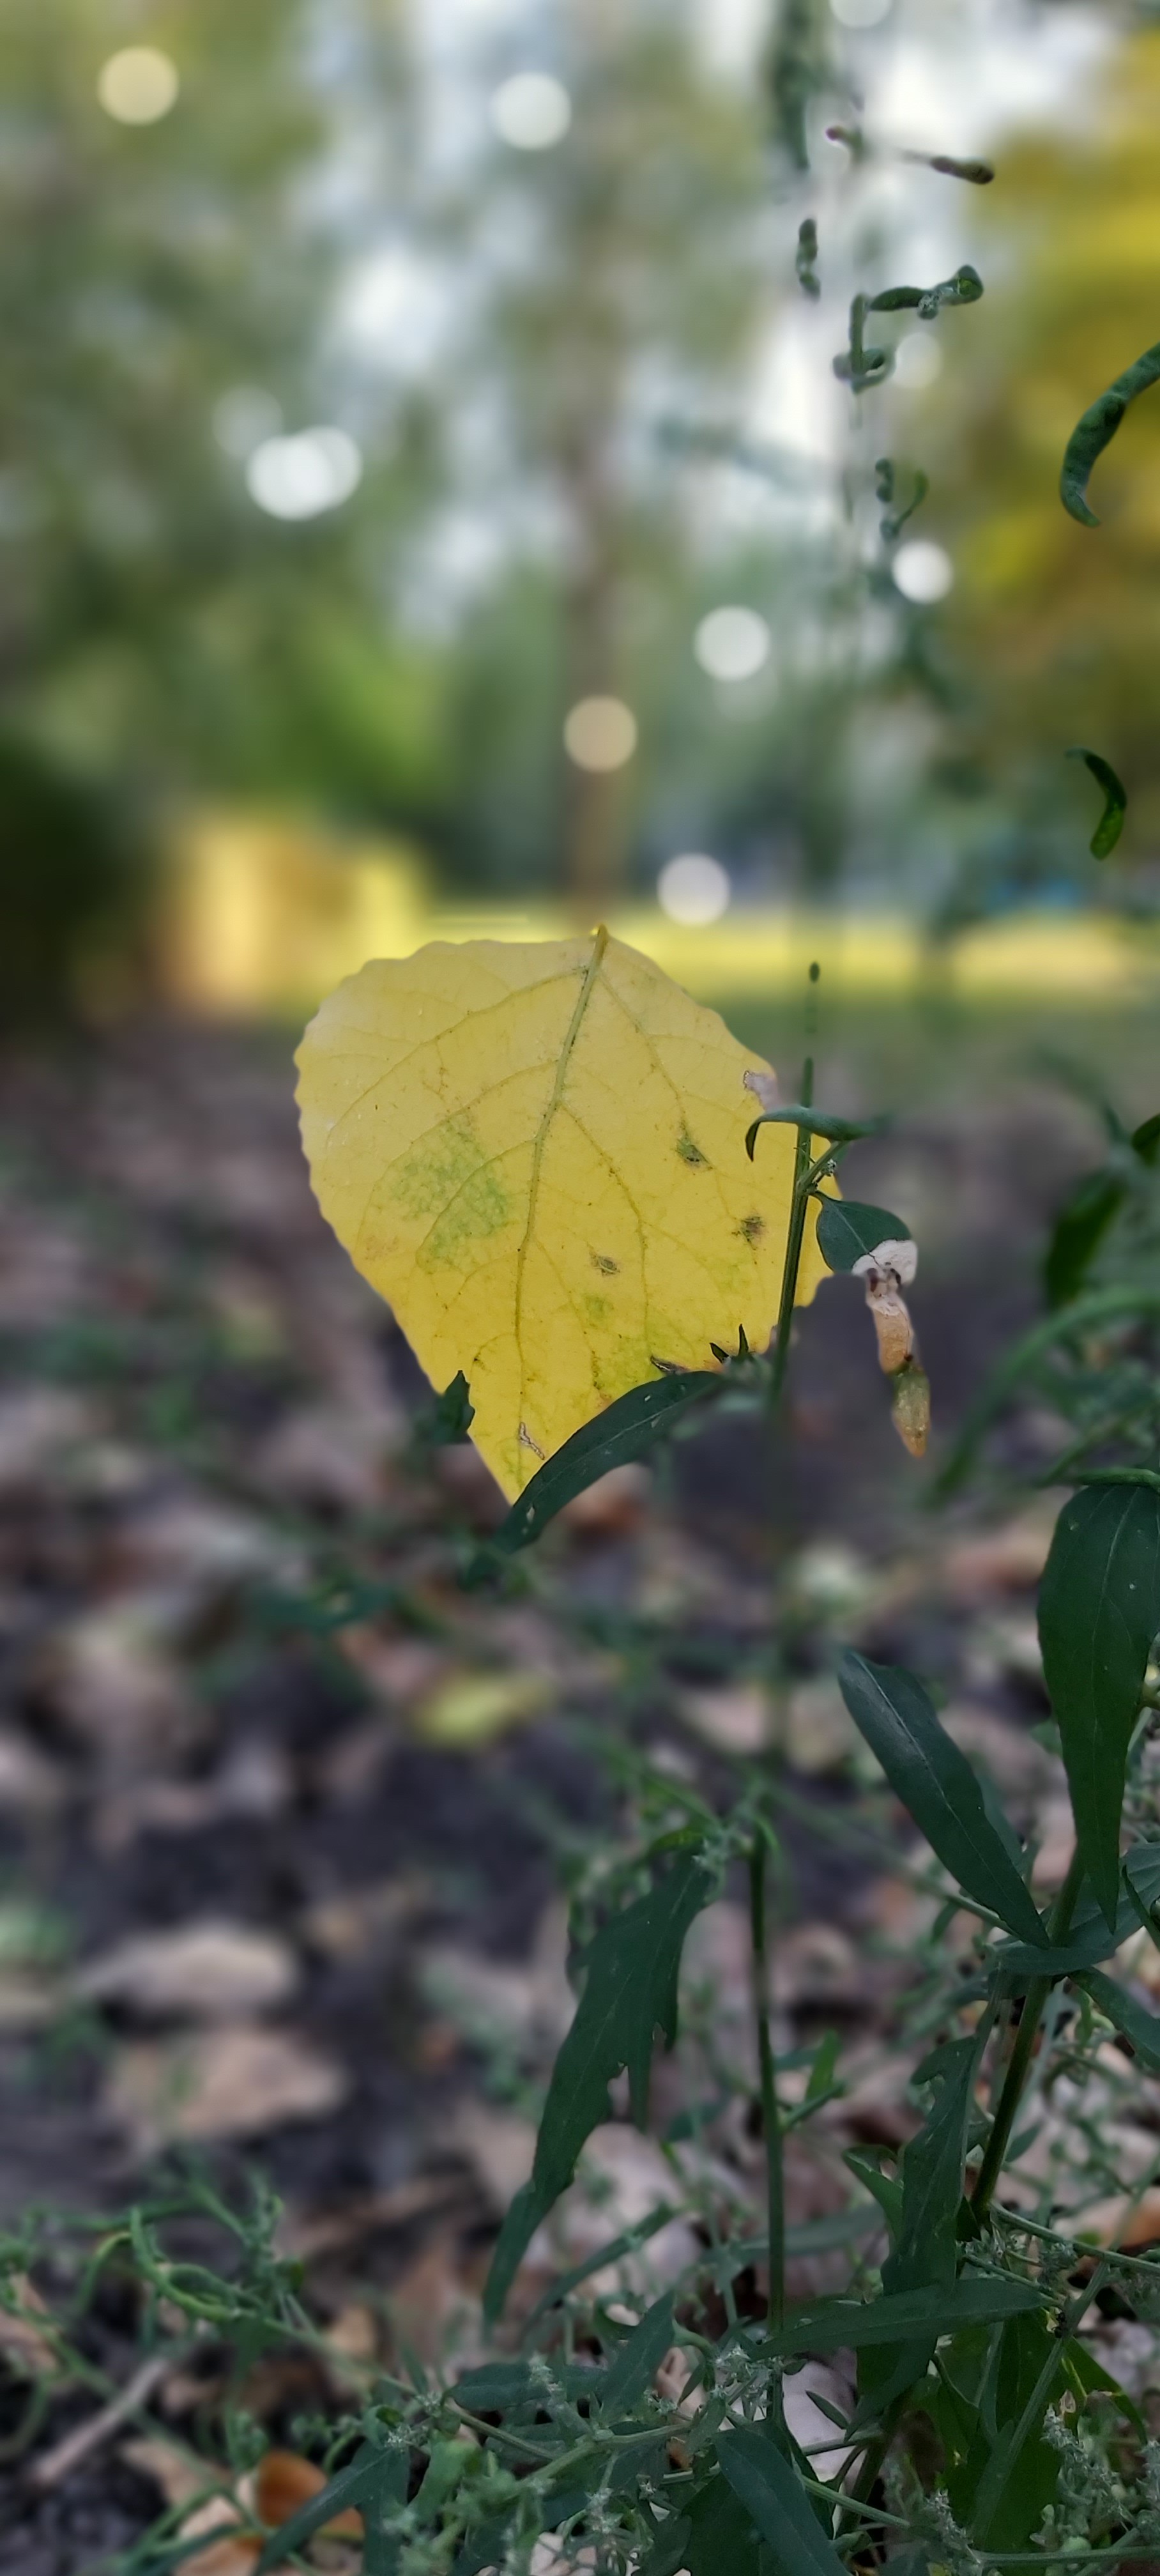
x=536, y=1153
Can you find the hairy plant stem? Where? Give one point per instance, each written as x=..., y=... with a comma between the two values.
x=1006, y=2109
x=770, y=2112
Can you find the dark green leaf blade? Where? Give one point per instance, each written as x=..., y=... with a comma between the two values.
x=713, y=2536
x=773, y=2496
x=937, y=1787
x=847, y=1229
x=374, y=2476
x=932, y=2176
x=1091, y=1938
x=1099, y=1609
x=634, y=2366
x=1111, y=822
x=826, y=2325
x=1138, y=2025
x=623, y=1431
x=452, y=1414
x=815, y=1122
x=1145, y=1139
x=1078, y=1232
x=630, y=1993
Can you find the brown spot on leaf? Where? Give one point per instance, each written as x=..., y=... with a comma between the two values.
x=690, y=1152
x=752, y=1228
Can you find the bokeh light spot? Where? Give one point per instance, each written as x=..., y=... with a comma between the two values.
x=300, y=477
x=531, y=111
x=600, y=733
x=138, y=85
x=923, y=572
x=693, y=889
x=732, y=643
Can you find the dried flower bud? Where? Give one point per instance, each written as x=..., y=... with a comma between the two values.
x=910, y=1407
x=886, y=1270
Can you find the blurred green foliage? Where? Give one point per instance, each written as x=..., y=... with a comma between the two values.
x=1057, y=627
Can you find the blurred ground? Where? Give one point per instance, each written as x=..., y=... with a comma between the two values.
x=285, y=1813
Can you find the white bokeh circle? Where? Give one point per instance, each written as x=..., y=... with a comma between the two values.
x=923, y=572
x=693, y=889
x=531, y=111
x=300, y=477
x=732, y=643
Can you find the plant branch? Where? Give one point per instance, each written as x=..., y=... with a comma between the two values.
x=770, y=2112
x=1023, y=2051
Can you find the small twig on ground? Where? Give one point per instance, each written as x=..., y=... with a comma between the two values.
x=65, y=2456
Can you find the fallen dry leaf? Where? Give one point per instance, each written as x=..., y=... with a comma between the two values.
x=734, y=1717
x=230, y=2549
x=284, y=2481
x=232, y=2082
x=1119, y=2220
x=213, y=1970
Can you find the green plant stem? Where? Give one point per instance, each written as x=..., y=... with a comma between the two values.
x=770, y=2113
x=795, y=1238
x=1021, y=2055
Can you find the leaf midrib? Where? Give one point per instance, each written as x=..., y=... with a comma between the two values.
x=539, y=1147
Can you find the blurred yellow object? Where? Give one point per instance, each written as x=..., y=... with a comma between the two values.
x=266, y=914
x=472, y=1708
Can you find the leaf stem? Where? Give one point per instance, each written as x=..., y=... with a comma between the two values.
x=1023, y=2050
x=770, y=2112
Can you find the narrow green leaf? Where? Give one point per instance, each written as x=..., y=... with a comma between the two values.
x=978, y=174
x=847, y=1229
x=617, y=2246
x=1111, y=822
x=932, y=2178
x=887, y=2192
x=1097, y=425
x=1097, y=1308
x=1004, y=2486
x=1138, y=2025
x=775, y=2499
x=630, y=1993
x=937, y=1787
x=374, y=2478
x=635, y=2364
x=826, y=2325
x=965, y=287
x=806, y=262
x=623, y=1431
x=1145, y=1139
x=1087, y=2375
x=713, y=2537
x=1099, y=1609
x=815, y=1122
x=1092, y=1938
x=1078, y=1232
